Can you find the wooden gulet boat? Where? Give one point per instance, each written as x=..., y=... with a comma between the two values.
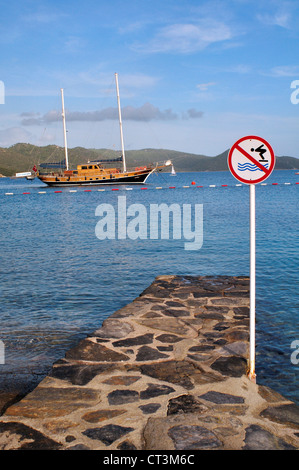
x=95, y=172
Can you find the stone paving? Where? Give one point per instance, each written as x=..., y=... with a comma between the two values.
x=166, y=372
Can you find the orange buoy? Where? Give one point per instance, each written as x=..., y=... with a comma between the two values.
x=193, y=182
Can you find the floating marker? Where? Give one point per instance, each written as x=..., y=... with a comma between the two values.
x=157, y=187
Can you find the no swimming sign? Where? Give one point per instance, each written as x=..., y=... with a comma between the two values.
x=251, y=159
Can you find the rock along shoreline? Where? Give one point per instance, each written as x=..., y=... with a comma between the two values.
x=166, y=372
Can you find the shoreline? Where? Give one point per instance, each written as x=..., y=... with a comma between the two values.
x=13, y=177
x=168, y=371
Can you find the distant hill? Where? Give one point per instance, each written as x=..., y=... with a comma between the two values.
x=22, y=157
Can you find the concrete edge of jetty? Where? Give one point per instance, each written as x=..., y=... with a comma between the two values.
x=166, y=372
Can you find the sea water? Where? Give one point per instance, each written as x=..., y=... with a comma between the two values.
x=59, y=281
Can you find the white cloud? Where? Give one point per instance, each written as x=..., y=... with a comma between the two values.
x=282, y=13
x=145, y=113
x=187, y=38
x=278, y=19
x=284, y=71
x=74, y=44
x=205, y=86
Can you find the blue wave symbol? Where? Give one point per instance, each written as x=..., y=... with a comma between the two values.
x=251, y=166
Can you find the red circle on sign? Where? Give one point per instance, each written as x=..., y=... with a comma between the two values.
x=236, y=150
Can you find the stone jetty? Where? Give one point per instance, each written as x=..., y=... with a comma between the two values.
x=166, y=372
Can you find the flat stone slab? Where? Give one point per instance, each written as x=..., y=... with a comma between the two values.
x=107, y=434
x=258, y=438
x=286, y=414
x=17, y=436
x=220, y=398
x=188, y=437
x=166, y=372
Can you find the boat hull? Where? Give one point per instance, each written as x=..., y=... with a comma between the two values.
x=138, y=178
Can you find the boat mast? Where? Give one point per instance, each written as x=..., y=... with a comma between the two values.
x=64, y=132
x=120, y=125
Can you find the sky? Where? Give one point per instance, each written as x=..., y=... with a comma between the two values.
x=194, y=76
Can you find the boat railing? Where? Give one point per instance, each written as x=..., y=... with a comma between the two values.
x=151, y=166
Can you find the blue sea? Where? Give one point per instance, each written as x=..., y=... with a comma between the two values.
x=59, y=281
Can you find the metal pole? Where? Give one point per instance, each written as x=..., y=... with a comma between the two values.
x=64, y=132
x=252, y=375
x=120, y=125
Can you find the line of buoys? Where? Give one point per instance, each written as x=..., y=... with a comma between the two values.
x=193, y=184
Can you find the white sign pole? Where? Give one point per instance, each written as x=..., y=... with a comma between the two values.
x=252, y=375
x=251, y=160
